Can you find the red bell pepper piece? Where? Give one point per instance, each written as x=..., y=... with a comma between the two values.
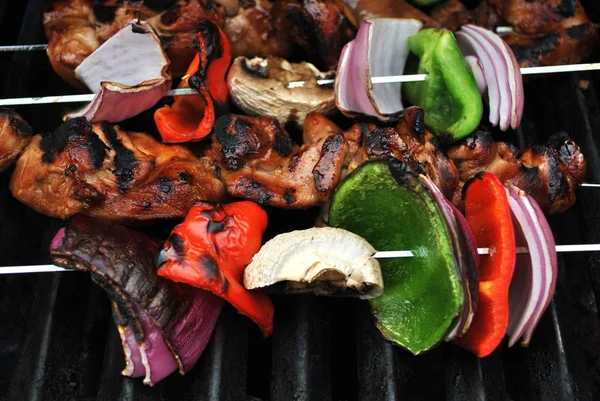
x=191, y=118
x=488, y=214
x=211, y=249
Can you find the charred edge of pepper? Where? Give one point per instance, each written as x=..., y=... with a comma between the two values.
x=478, y=176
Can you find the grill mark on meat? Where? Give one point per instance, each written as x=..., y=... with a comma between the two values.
x=323, y=172
x=288, y=196
x=125, y=162
x=158, y=5
x=567, y=8
x=282, y=143
x=578, y=31
x=72, y=130
x=17, y=124
x=163, y=184
x=183, y=177
x=104, y=14
x=293, y=163
x=377, y=142
x=255, y=191
x=236, y=140
x=418, y=119
x=540, y=46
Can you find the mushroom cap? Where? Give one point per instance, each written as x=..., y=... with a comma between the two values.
x=259, y=87
x=325, y=261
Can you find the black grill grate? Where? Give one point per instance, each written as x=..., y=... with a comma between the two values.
x=58, y=342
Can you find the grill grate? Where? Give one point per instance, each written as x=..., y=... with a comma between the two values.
x=58, y=341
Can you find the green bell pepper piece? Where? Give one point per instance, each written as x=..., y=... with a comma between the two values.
x=449, y=96
x=385, y=203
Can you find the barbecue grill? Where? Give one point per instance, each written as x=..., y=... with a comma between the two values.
x=58, y=340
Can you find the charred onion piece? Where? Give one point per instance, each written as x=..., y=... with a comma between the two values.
x=259, y=88
x=103, y=171
x=324, y=261
x=125, y=83
x=163, y=326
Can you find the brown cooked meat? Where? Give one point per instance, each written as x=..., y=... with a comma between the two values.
x=15, y=135
x=75, y=28
x=260, y=162
x=546, y=32
x=369, y=9
x=550, y=173
x=319, y=28
x=102, y=171
x=407, y=141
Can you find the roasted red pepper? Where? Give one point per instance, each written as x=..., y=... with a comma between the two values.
x=211, y=249
x=191, y=118
x=488, y=213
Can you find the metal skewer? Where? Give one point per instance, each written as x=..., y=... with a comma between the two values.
x=295, y=84
x=378, y=255
x=393, y=79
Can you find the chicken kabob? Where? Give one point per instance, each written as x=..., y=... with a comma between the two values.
x=100, y=170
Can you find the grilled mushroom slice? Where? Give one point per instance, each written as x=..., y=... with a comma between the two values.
x=324, y=261
x=259, y=88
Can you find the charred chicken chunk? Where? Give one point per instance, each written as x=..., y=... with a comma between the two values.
x=15, y=135
x=546, y=32
x=550, y=173
x=407, y=141
x=102, y=171
x=75, y=28
x=369, y=9
x=320, y=28
x=260, y=162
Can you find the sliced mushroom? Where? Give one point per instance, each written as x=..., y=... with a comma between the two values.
x=324, y=261
x=259, y=87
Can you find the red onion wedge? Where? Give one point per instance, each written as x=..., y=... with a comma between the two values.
x=465, y=254
x=379, y=49
x=501, y=72
x=129, y=74
x=164, y=327
x=534, y=279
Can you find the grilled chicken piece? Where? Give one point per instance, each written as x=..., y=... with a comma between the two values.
x=546, y=32
x=75, y=28
x=260, y=162
x=550, y=173
x=15, y=135
x=256, y=31
x=369, y=9
x=102, y=171
x=320, y=28
x=407, y=141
